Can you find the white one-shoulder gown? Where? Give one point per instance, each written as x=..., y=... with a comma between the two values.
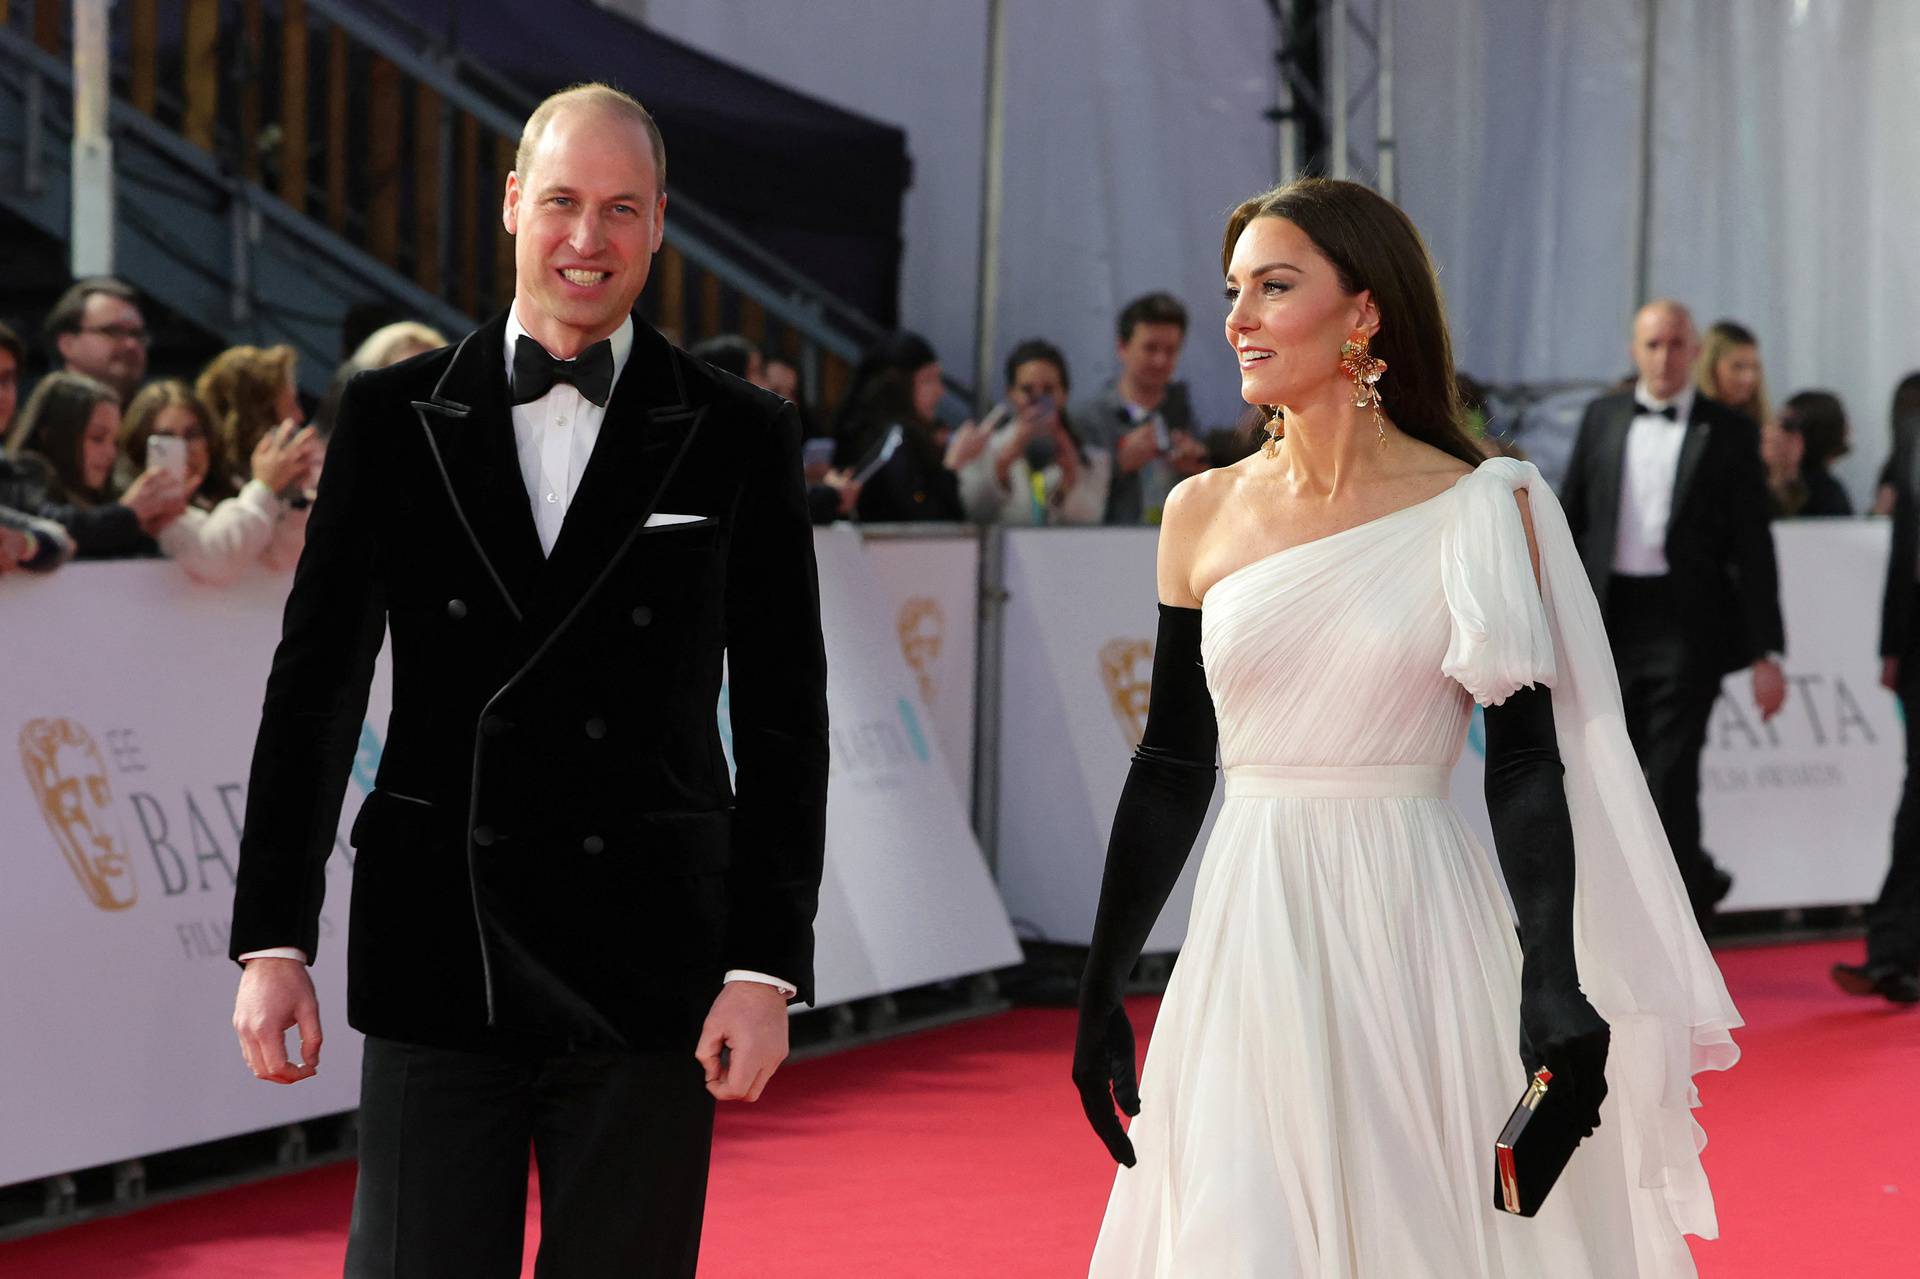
x=1337, y=1048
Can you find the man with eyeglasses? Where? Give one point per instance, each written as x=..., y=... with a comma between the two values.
x=96, y=328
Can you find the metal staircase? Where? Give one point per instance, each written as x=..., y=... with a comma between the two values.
x=286, y=162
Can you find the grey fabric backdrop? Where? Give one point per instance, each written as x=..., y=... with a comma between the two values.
x=1786, y=169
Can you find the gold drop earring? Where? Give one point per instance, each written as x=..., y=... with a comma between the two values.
x=1276, y=430
x=1360, y=364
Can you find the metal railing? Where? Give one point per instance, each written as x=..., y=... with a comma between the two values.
x=377, y=130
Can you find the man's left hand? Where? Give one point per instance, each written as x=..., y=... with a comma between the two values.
x=744, y=1040
x=1189, y=455
x=1769, y=687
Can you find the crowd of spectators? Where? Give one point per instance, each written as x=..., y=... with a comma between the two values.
x=215, y=474
x=1041, y=455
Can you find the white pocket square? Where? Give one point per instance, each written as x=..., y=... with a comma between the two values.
x=659, y=518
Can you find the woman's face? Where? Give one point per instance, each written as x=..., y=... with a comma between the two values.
x=1737, y=374
x=287, y=407
x=1780, y=448
x=1035, y=380
x=927, y=390
x=180, y=422
x=99, y=446
x=1287, y=316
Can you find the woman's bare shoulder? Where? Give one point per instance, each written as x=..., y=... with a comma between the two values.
x=1190, y=511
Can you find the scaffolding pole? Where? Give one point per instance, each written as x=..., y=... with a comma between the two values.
x=91, y=239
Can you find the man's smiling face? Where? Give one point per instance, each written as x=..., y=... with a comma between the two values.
x=586, y=218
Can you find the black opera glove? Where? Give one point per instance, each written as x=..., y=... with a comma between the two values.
x=1533, y=835
x=1162, y=807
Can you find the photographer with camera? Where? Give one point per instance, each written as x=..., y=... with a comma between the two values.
x=1035, y=469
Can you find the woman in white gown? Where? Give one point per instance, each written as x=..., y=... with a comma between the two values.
x=1352, y=1016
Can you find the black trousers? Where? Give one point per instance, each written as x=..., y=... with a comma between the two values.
x=1893, y=923
x=621, y=1139
x=1668, y=692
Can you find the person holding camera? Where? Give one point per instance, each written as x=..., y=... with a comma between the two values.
x=1035, y=469
x=59, y=467
x=169, y=429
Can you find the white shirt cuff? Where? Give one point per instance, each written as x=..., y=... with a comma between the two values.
x=276, y=952
x=743, y=974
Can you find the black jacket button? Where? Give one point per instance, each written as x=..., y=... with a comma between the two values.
x=642, y=616
x=596, y=728
x=594, y=844
x=494, y=725
x=456, y=609
x=483, y=836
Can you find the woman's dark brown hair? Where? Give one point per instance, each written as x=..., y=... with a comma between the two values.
x=1373, y=246
x=53, y=426
x=1822, y=422
x=136, y=428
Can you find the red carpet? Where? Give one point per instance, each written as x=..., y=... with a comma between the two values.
x=961, y=1154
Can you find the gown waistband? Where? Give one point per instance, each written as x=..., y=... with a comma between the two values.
x=1353, y=781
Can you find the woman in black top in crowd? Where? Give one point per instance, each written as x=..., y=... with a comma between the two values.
x=888, y=439
x=59, y=467
x=1903, y=419
x=1821, y=422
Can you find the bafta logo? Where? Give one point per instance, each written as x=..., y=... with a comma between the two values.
x=922, y=626
x=1126, y=667
x=69, y=778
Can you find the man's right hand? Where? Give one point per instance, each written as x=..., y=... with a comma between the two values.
x=276, y=994
x=1890, y=674
x=156, y=498
x=1136, y=448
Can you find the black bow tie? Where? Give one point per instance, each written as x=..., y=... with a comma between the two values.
x=1643, y=409
x=535, y=372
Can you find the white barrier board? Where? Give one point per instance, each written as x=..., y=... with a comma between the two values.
x=129, y=719
x=132, y=715
x=1799, y=810
x=934, y=583
x=907, y=898
x=1081, y=618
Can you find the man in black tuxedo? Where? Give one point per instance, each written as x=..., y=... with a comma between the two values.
x=559, y=901
x=1668, y=504
x=1892, y=969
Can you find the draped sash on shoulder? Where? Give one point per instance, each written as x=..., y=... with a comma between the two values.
x=1642, y=960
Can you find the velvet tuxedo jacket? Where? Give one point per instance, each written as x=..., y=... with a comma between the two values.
x=553, y=847
x=1896, y=608
x=1719, y=541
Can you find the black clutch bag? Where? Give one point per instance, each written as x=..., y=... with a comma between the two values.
x=1534, y=1147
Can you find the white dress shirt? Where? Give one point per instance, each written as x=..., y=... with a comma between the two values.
x=1646, y=485
x=553, y=437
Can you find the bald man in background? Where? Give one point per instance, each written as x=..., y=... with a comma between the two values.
x=1667, y=500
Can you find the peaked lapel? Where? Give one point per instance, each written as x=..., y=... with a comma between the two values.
x=1692, y=447
x=648, y=426
x=469, y=427
x=1609, y=462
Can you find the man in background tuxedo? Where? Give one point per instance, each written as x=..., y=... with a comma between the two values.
x=1892, y=969
x=1668, y=504
x=568, y=930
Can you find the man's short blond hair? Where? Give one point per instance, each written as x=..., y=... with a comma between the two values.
x=602, y=97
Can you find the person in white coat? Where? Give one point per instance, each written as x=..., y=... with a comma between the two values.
x=1035, y=469
x=215, y=542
